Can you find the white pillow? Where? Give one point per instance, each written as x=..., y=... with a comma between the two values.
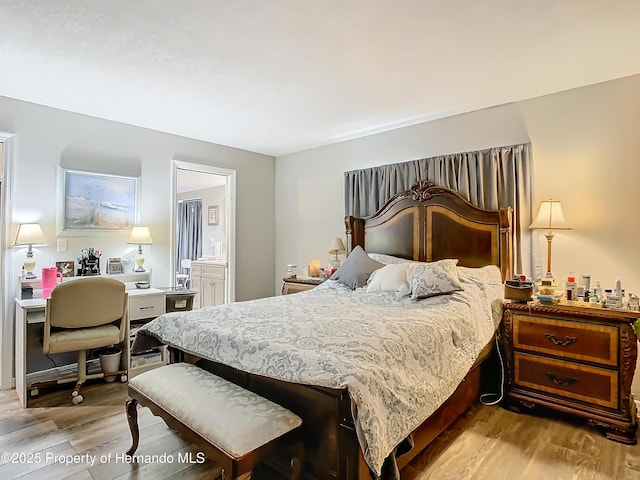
x=387, y=259
x=390, y=278
x=434, y=278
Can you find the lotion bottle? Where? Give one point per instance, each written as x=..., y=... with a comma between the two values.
x=571, y=287
x=618, y=289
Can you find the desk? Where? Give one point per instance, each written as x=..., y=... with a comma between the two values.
x=144, y=305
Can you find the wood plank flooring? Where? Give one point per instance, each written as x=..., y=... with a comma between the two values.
x=485, y=443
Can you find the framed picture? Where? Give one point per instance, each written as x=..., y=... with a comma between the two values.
x=212, y=215
x=95, y=203
x=115, y=266
x=66, y=268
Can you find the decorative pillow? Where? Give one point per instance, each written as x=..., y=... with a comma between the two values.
x=356, y=269
x=388, y=259
x=390, y=278
x=434, y=278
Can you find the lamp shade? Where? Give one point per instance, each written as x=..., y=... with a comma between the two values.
x=337, y=247
x=140, y=235
x=30, y=234
x=550, y=217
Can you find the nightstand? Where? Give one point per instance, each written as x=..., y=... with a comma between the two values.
x=573, y=359
x=300, y=284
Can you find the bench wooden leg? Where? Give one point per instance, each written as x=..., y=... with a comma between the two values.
x=132, y=417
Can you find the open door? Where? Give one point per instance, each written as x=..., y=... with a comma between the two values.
x=204, y=231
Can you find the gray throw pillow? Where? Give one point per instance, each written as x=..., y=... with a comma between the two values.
x=356, y=269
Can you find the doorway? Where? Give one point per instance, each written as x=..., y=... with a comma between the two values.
x=7, y=294
x=203, y=220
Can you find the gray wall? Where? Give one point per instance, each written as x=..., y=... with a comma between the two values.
x=585, y=153
x=46, y=138
x=210, y=196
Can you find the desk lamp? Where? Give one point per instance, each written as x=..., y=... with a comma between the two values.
x=549, y=218
x=140, y=235
x=30, y=234
x=336, y=248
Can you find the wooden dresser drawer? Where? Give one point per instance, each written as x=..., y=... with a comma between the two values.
x=146, y=306
x=214, y=271
x=300, y=284
x=588, y=342
x=579, y=382
x=289, y=288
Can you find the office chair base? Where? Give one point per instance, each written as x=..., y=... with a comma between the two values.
x=35, y=387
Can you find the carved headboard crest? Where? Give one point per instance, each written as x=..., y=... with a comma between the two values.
x=424, y=190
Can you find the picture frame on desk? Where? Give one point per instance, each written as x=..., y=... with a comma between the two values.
x=66, y=267
x=90, y=203
x=115, y=266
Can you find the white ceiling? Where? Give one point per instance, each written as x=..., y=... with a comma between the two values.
x=278, y=76
x=189, y=180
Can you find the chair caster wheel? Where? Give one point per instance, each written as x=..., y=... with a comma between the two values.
x=77, y=399
x=123, y=378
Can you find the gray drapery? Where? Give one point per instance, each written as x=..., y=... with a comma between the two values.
x=189, y=231
x=490, y=179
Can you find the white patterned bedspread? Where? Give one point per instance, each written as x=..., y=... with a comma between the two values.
x=398, y=359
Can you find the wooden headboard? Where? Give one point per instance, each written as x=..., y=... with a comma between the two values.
x=429, y=223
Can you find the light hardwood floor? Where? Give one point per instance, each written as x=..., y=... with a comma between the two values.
x=485, y=443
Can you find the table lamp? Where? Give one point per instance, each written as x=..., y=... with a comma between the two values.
x=140, y=235
x=30, y=234
x=336, y=248
x=550, y=217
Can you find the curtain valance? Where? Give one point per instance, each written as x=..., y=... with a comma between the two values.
x=490, y=179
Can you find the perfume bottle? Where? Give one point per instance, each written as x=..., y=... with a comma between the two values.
x=597, y=291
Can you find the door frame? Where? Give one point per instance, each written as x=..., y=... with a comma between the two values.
x=229, y=212
x=7, y=290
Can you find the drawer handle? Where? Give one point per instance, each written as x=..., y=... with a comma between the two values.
x=565, y=382
x=562, y=343
x=146, y=308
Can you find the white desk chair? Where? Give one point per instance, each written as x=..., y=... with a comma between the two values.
x=83, y=315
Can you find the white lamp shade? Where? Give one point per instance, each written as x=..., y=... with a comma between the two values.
x=140, y=235
x=337, y=247
x=550, y=217
x=30, y=234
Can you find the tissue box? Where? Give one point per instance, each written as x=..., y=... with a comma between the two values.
x=518, y=291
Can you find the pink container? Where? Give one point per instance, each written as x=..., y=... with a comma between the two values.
x=50, y=278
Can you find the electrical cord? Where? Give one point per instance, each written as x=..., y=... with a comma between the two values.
x=495, y=398
x=52, y=360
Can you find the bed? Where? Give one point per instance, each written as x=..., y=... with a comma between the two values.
x=343, y=427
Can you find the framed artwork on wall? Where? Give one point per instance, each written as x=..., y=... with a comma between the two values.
x=95, y=203
x=212, y=215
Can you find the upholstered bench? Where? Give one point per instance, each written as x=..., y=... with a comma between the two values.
x=235, y=428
